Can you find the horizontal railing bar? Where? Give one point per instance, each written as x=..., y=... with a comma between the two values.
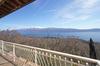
x=59, y=53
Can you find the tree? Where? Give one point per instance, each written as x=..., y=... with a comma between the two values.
x=92, y=51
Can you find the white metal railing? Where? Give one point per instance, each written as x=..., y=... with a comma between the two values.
x=23, y=55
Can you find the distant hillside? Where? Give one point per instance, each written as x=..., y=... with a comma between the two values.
x=68, y=45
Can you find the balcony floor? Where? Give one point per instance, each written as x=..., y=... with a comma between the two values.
x=4, y=62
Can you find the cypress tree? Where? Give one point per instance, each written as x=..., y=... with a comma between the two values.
x=92, y=51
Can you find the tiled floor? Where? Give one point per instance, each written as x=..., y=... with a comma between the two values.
x=4, y=62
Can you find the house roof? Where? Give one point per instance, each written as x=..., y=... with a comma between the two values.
x=9, y=6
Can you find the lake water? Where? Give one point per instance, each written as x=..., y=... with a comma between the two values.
x=82, y=35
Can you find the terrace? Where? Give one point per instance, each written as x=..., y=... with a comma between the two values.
x=4, y=62
x=13, y=54
x=23, y=55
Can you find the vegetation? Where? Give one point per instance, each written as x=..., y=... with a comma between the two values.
x=68, y=45
x=92, y=49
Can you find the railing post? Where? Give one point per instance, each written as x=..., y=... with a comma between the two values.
x=65, y=61
x=59, y=60
x=14, y=52
x=55, y=60
x=87, y=64
x=71, y=62
x=35, y=57
x=2, y=42
x=98, y=63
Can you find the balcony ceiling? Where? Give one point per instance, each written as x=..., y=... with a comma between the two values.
x=9, y=6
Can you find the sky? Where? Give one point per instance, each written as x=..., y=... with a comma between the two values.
x=78, y=14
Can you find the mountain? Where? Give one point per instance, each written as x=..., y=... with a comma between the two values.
x=50, y=30
x=57, y=29
x=61, y=32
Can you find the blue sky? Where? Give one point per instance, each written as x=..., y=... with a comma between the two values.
x=79, y=14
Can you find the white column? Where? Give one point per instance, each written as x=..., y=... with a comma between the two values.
x=35, y=57
x=2, y=42
x=55, y=60
x=71, y=62
x=14, y=52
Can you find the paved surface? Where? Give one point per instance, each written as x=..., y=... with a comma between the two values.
x=4, y=62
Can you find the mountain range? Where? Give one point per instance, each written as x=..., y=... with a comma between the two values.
x=57, y=30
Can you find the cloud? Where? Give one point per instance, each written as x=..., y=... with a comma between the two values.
x=38, y=27
x=78, y=10
x=89, y=3
x=84, y=17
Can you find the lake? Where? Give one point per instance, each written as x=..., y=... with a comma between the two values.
x=82, y=35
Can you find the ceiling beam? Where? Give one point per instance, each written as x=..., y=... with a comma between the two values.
x=9, y=6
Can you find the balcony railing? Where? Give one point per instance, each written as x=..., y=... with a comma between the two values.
x=23, y=55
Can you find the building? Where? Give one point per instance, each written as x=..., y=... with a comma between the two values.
x=9, y=6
